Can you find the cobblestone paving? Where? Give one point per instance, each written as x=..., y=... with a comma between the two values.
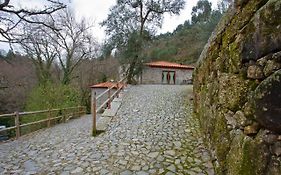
x=153, y=133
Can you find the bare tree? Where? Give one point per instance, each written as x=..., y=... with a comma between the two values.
x=74, y=42
x=17, y=78
x=37, y=44
x=12, y=17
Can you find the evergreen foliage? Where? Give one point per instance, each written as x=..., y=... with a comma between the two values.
x=187, y=41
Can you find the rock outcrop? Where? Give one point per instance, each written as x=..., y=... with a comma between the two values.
x=237, y=89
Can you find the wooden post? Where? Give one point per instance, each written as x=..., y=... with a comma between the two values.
x=108, y=103
x=17, y=124
x=117, y=95
x=79, y=111
x=49, y=118
x=83, y=109
x=94, y=114
x=64, y=115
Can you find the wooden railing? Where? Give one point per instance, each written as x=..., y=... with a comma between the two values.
x=110, y=97
x=46, y=117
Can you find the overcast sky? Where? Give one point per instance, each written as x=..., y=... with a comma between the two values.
x=97, y=11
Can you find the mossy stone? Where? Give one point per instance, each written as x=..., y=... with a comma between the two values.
x=232, y=92
x=267, y=98
x=247, y=156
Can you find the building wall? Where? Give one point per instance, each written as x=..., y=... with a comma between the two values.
x=152, y=75
x=103, y=98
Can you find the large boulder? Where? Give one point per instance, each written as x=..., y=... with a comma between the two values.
x=267, y=99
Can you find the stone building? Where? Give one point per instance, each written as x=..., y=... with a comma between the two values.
x=163, y=72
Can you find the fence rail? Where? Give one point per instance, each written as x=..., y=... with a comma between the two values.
x=120, y=85
x=49, y=115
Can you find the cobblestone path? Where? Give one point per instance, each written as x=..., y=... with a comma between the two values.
x=153, y=133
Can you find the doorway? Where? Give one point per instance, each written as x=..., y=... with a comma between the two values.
x=168, y=77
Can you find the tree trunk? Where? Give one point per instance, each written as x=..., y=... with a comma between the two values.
x=131, y=71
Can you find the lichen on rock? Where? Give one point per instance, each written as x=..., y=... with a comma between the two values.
x=237, y=89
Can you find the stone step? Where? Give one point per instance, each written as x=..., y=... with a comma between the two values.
x=103, y=123
x=115, y=105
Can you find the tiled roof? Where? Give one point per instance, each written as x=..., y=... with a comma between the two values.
x=106, y=85
x=165, y=64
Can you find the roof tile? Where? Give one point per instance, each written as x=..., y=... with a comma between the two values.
x=166, y=64
x=106, y=85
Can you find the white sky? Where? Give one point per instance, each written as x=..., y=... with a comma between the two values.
x=96, y=11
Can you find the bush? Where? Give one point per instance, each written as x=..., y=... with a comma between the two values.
x=52, y=96
x=49, y=96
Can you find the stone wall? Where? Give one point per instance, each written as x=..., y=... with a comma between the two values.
x=153, y=75
x=237, y=89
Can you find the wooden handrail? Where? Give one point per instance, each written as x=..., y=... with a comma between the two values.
x=107, y=102
x=77, y=110
x=37, y=112
x=102, y=94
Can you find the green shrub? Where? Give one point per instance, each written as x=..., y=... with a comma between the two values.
x=52, y=96
x=49, y=96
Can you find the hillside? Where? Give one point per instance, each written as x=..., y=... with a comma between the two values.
x=186, y=43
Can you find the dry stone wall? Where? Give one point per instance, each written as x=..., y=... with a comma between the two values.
x=237, y=89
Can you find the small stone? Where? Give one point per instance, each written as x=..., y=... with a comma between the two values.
x=255, y=72
x=170, y=152
x=68, y=168
x=142, y=173
x=160, y=158
x=270, y=67
x=103, y=171
x=89, y=169
x=279, y=138
x=161, y=171
x=77, y=170
x=210, y=171
x=57, y=164
x=270, y=138
x=122, y=162
x=135, y=153
x=65, y=173
x=96, y=169
x=230, y=120
x=196, y=169
x=262, y=61
x=177, y=144
x=248, y=110
x=276, y=149
x=127, y=172
x=136, y=168
x=277, y=56
x=153, y=154
x=145, y=168
x=241, y=119
x=252, y=129
x=30, y=166
x=177, y=161
x=136, y=110
x=172, y=168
